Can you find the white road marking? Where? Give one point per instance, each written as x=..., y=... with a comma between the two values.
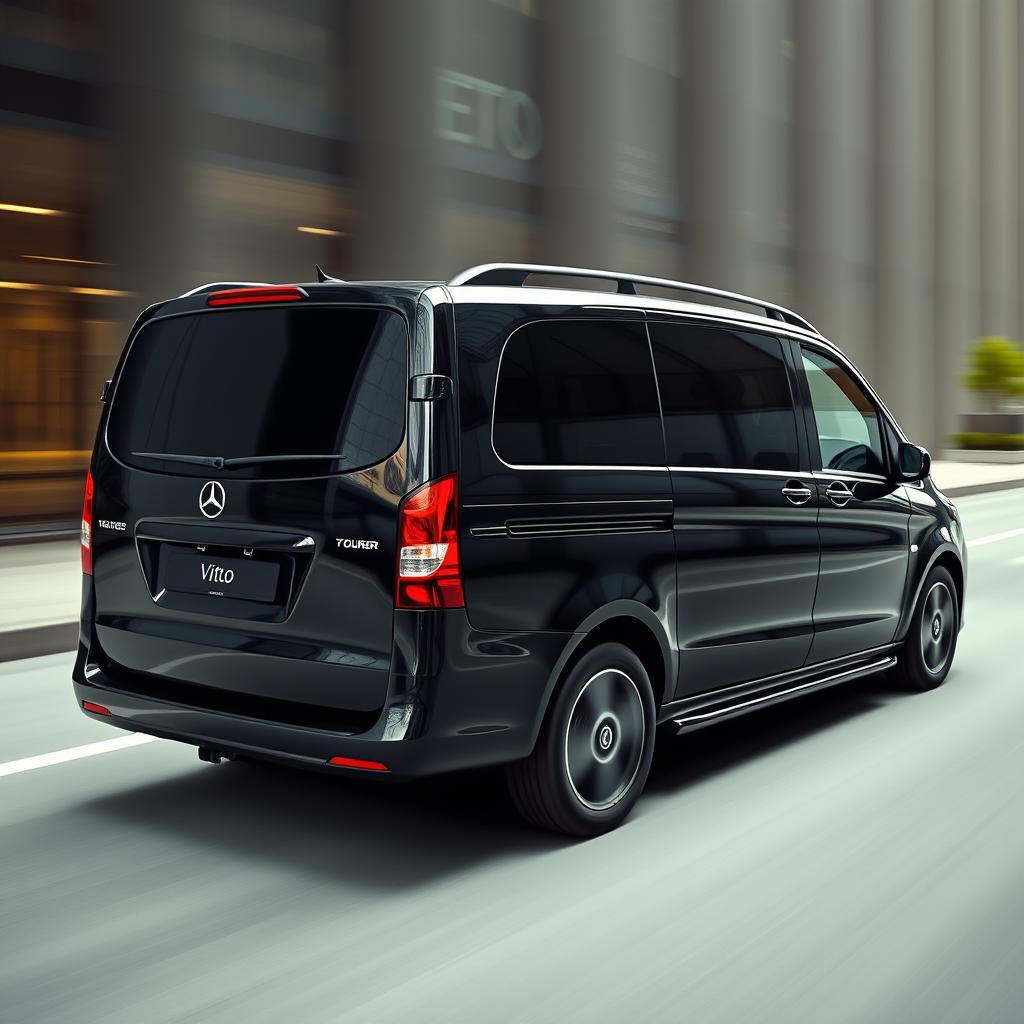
x=27, y=764
x=992, y=538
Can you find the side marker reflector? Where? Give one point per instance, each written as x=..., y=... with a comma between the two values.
x=96, y=709
x=355, y=762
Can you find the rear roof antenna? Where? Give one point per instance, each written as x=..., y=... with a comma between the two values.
x=321, y=276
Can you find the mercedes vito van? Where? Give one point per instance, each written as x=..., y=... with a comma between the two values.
x=522, y=518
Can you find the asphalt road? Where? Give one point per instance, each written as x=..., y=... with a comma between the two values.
x=857, y=856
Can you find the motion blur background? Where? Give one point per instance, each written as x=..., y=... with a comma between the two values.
x=859, y=160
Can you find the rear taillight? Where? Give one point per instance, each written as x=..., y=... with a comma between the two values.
x=428, y=547
x=87, y=525
x=247, y=296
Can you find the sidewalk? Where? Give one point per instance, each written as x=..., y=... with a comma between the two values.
x=40, y=594
x=961, y=478
x=40, y=582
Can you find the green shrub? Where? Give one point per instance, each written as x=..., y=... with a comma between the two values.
x=989, y=442
x=996, y=369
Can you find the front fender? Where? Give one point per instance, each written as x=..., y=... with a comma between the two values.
x=937, y=543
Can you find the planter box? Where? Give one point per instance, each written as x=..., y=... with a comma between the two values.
x=1006, y=458
x=993, y=422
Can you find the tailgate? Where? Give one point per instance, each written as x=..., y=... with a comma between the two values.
x=250, y=487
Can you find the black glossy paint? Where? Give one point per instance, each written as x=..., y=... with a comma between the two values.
x=747, y=569
x=865, y=555
x=712, y=574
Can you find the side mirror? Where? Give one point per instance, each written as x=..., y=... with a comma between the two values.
x=913, y=463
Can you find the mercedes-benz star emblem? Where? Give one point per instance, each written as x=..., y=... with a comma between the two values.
x=211, y=499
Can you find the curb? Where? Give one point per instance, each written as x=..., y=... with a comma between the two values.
x=995, y=485
x=35, y=641
x=37, y=534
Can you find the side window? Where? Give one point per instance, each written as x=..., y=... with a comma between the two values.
x=578, y=392
x=848, y=425
x=726, y=398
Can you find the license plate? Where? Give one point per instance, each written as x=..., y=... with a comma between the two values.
x=194, y=572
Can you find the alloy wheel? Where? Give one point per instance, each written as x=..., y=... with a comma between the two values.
x=604, y=739
x=938, y=624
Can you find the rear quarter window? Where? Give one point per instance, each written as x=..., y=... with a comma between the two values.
x=577, y=393
x=264, y=382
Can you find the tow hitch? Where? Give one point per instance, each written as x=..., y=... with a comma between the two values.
x=214, y=756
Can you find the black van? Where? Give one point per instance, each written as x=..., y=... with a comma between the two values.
x=403, y=528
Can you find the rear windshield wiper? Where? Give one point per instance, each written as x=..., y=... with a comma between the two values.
x=253, y=460
x=197, y=460
x=219, y=462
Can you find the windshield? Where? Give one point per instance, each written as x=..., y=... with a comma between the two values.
x=251, y=383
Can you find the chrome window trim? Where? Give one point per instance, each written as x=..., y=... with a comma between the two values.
x=600, y=466
x=597, y=466
x=704, y=316
x=786, y=474
x=848, y=474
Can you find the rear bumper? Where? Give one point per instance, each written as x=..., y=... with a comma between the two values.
x=457, y=698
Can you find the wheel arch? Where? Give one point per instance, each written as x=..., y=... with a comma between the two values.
x=947, y=556
x=625, y=622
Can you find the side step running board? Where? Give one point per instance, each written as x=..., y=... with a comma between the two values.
x=705, y=715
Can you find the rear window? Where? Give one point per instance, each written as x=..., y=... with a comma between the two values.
x=246, y=383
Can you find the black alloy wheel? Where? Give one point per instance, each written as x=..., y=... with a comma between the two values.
x=594, y=750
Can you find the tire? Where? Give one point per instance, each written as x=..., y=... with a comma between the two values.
x=930, y=644
x=594, y=750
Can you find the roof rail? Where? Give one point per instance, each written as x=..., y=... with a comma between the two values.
x=515, y=275
x=216, y=285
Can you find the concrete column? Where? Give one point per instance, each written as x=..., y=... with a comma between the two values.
x=905, y=364
x=999, y=184
x=581, y=61
x=145, y=225
x=956, y=216
x=398, y=179
x=718, y=146
x=737, y=145
x=822, y=175
x=1019, y=183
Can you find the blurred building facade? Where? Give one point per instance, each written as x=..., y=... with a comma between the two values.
x=859, y=160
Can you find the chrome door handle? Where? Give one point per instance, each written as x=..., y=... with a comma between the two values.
x=838, y=493
x=796, y=493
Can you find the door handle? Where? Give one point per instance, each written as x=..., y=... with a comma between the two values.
x=838, y=493
x=796, y=493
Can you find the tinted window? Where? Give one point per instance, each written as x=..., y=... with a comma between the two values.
x=849, y=432
x=577, y=393
x=726, y=398
x=279, y=381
